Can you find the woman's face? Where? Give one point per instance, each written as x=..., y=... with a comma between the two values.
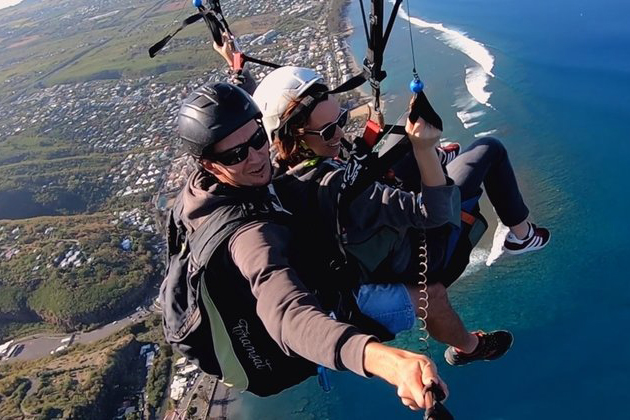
x=325, y=112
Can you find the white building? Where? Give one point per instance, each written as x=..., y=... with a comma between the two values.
x=188, y=370
x=4, y=348
x=178, y=387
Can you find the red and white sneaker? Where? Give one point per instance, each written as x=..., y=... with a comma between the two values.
x=537, y=238
x=448, y=152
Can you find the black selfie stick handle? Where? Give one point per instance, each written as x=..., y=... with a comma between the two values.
x=437, y=411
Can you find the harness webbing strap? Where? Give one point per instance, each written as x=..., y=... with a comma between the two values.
x=467, y=218
x=216, y=23
x=394, y=129
x=350, y=84
x=162, y=43
x=365, y=27
x=390, y=24
x=420, y=107
x=247, y=58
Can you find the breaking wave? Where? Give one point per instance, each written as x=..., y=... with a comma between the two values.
x=497, y=243
x=485, y=133
x=467, y=118
x=478, y=257
x=478, y=76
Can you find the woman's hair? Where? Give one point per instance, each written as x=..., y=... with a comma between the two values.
x=288, y=142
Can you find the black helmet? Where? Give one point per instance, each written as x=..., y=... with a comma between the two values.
x=213, y=112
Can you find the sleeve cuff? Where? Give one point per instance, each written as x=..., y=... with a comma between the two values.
x=351, y=353
x=444, y=201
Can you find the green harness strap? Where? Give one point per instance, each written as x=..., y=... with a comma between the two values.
x=233, y=373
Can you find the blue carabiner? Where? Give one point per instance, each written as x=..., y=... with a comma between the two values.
x=322, y=378
x=197, y=3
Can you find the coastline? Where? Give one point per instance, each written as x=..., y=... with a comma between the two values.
x=360, y=111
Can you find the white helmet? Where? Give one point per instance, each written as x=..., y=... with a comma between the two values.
x=278, y=90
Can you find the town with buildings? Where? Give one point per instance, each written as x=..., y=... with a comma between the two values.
x=133, y=121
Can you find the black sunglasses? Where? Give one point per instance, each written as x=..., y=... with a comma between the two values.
x=239, y=153
x=328, y=132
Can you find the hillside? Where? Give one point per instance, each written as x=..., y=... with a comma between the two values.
x=87, y=381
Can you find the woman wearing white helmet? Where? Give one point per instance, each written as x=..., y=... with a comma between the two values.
x=306, y=157
x=306, y=125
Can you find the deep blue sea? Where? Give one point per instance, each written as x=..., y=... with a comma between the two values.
x=552, y=80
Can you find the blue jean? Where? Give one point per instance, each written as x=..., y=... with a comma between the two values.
x=388, y=304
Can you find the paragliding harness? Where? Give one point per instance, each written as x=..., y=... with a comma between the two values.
x=368, y=163
x=209, y=312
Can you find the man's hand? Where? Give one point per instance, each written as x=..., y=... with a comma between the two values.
x=411, y=373
x=422, y=134
x=415, y=375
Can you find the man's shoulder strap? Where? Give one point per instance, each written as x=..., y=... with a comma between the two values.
x=225, y=221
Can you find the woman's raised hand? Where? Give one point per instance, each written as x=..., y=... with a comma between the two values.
x=422, y=134
x=227, y=50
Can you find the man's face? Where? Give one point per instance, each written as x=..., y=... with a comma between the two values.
x=253, y=171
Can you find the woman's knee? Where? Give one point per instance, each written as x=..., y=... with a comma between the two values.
x=492, y=143
x=492, y=149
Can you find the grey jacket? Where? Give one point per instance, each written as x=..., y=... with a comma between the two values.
x=380, y=218
x=290, y=313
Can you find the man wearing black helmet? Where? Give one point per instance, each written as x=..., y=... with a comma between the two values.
x=265, y=329
x=234, y=122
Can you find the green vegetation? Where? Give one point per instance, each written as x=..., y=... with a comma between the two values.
x=10, y=330
x=13, y=389
x=158, y=377
x=39, y=50
x=65, y=185
x=86, y=381
x=78, y=296
x=61, y=386
x=24, y=148
x=40, y=47
x=53, y=175
x=159, y=374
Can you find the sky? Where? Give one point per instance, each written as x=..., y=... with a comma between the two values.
x=7, y=3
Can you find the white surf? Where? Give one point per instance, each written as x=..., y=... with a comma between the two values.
x=497, y=243
x=478, y=76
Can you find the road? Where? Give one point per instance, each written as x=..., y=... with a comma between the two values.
x=222, y=402
x=40, y=345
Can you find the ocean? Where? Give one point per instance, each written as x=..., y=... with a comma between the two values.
x=552, y=81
